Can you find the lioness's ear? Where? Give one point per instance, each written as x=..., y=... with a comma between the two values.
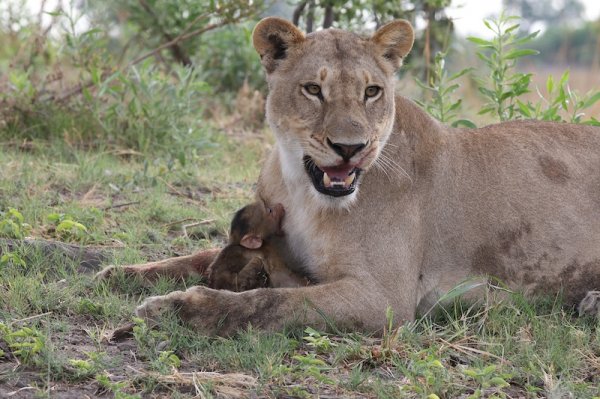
x=272, y=37
x=394, y=40
x=251, y=241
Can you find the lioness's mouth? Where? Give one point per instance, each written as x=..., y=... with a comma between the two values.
x=335, y=181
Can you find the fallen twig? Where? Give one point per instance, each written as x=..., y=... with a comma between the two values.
x=29, y=318
x=120, y=205
x=467, y=350
x=200, y=223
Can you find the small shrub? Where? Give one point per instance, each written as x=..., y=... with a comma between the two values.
x=503, y=85
x=12, y=224
x=441, y=87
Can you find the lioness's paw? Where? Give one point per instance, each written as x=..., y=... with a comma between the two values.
x=590, y=305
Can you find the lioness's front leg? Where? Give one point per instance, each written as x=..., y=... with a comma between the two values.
x=213, y=312
x=194, y=265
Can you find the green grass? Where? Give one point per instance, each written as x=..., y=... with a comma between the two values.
x=54, y=317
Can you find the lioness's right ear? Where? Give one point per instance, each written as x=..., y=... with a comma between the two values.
x=272, y=37
x=394, y=41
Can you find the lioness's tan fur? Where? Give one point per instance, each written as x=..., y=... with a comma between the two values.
x=519, y=201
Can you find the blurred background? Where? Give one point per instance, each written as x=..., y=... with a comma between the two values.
x=164, y=75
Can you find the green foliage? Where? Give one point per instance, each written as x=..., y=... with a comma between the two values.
x=561, y=104
x=312, y=366
x=84, y=94
x=161, y=21
x=427, y=375
x=117, y=388
x=12, y=224
x=490, y=381
x=503, y=85
x=12, y=259
x=227, y=59
x=317, y=340
x=67, y=228
x=504, y=88
x=26, y=343
x=150, y=111
x=151, y=344
x=89, y=367
x=442, y=87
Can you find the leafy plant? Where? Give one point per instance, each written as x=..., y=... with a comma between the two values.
x=319, y=341
x=310, y=364
x=152, y=344
x=504, y=85
x=26, y=343
x=12, y=259
x=67, y=228
x=561, y=103
x=488, y=379
x=441, y=87
x=117, y=388
x=85, y=368
x=12, y=224
x=427, y=375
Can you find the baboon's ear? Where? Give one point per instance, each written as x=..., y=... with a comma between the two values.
x=272, y=37
x=251, y=241
x=394, y=40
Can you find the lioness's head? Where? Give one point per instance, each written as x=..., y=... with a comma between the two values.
x=331, y=101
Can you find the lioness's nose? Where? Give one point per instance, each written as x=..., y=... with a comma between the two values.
x=346, y=151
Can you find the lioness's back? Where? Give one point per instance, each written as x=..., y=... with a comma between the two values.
x=519, y=201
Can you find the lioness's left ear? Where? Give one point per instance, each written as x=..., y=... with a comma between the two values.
x=394, y=40
x=272, y=37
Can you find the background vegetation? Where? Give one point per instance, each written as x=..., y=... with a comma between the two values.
x=136, y=128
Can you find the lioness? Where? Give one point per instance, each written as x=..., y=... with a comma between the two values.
x=387, y=207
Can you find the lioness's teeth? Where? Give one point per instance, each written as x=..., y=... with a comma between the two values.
x=326, y=180
x=348, y=180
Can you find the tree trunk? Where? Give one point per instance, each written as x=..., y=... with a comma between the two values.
x=310, y=17
x=329, y=17
x=298, y=12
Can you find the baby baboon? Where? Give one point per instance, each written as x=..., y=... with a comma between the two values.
x=253, y=258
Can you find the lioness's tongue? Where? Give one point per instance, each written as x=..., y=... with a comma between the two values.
x=338, y=172
x=338, y=176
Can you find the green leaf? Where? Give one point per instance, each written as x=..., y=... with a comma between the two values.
x=459, y=74
x=526, y=38
x=592, y=100
x=464, y=122
x=524, y=108
x=592, y=122
x=518, y=53
x=480, y=42
x=486, y=110
x=564, y=78
x=510, y=29
x=550, y=84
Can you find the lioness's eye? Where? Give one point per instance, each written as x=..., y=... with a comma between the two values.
x=372, y=91
x=312, y=89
